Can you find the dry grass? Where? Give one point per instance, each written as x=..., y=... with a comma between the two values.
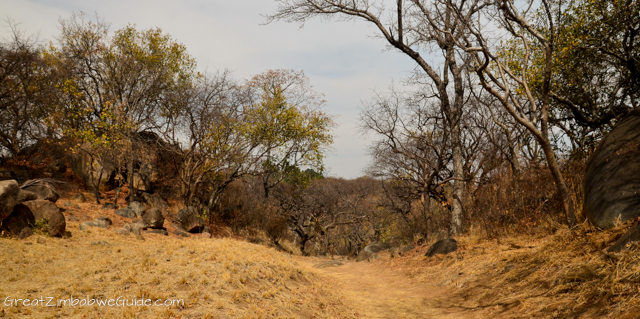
x=566, y=275
x=216, y=278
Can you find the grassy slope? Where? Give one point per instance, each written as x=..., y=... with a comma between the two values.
x=217, y=278
x=566, y=275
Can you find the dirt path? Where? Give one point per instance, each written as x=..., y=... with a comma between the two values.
x=376, y=292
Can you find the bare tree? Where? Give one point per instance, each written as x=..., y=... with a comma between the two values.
x=413, y=27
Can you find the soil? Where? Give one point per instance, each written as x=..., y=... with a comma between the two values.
x=375, y=291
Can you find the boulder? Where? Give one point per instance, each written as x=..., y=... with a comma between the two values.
x=126, y=213
x=44, y=209
x=612, y=177
x=371, y=251
x=137, y=208
x=632, y=235
x=20, y=218
x=155, y=201
x=189, y=220
x=443, y=246
x=9, y=190
x=43, y=191
x=24, y=196
x=153, y=219
x=26, y=232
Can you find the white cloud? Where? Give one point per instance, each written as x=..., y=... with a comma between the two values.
x=341, y=59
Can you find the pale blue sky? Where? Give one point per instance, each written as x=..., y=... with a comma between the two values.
x=342, y=59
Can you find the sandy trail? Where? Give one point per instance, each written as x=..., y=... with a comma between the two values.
x=376, y=292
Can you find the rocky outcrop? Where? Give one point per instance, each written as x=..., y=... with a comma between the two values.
x=46, y=210
x=444, y=246
x=189, y=220
x=20, y=218
x=612, y=178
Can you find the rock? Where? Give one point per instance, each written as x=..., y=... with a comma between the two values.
x=632, y=235
x=21, y=217
x=136, y=228
x=181, y=233
x=84, y=226
x=153, y=219
x=24, y=196
x=44, y=191
x=79, y=197
x=109, y=206
x=122, y=231
x=139, y=183
x=155, y=201
x=106, y=220
x=205, y=235
x=612, y=177
x=157, y=231
x=26, y=232
x=46, y=210
x=371, y=251
x=189, y=220
x=126, y=212
x=9, y=190
x=444, y=246
x=137, y=208
x=100, y=243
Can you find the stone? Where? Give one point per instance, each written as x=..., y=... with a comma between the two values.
x=109, y=206
x=126, y=212
x=44, y=191
x=26, y=232
x=153, y=219
x=102, y=222
x=205, y=235
x=79, y=197
x=371, y=251
x=21, y=217
x=612, y=177
x=46, y=210
x=188, y=220
x=122, y=231
x=100, y=243
x=24, y=196
x=155, y=201
x=106, y=220
x=137, y=208
x=444, y=246
x=9, y=190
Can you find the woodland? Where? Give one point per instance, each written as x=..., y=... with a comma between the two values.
x=490, y=135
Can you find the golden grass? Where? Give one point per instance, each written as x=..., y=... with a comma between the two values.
x=566, y=275
x=216, y=278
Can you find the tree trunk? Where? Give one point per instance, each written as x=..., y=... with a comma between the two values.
x=458, y=182
x=561, y=185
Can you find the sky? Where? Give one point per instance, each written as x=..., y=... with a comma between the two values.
x=343, y=60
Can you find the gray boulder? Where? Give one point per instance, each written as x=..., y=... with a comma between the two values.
x=153, y=219
x=371, y=251
x=612, y=177
x=137, y=208
x=102, y=222
x=46, y=210
x=126, y=213
x=155, y=201
x=444, y=246
x=9, y=190
x=24, y=196
x=43, y=191
x=189, y=220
